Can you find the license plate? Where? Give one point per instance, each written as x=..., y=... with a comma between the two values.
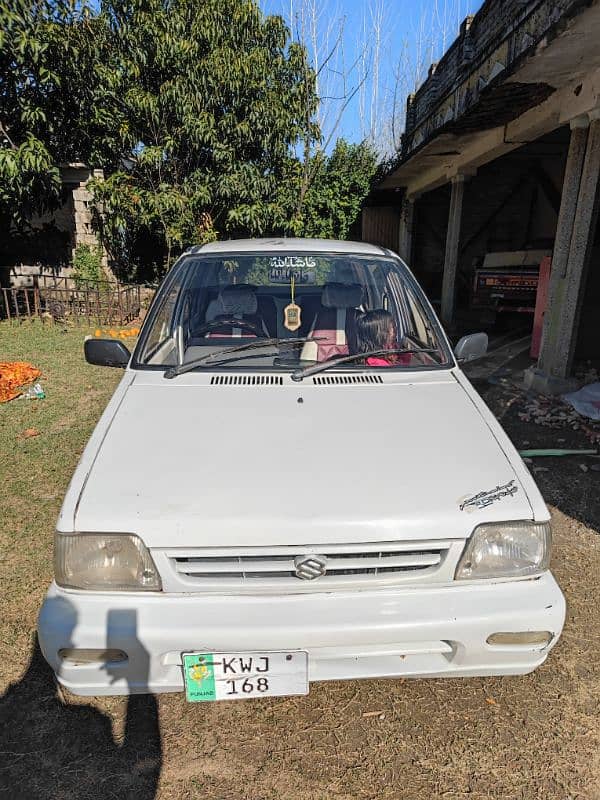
x=241, y=676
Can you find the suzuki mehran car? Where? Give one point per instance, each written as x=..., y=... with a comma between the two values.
x=293, y=482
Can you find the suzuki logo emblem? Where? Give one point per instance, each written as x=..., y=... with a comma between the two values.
x=309, y=567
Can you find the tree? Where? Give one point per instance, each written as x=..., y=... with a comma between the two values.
x=318, y=26
x=334, y=199
x=45, y=101
x=204, y=117
x=207, y=102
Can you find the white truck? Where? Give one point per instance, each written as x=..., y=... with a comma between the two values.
x=294, y=481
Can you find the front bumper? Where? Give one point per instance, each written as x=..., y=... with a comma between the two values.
x=405, y=632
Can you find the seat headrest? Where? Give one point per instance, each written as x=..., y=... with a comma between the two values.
x=342, y=295
x=343, y=272
x=238, y=298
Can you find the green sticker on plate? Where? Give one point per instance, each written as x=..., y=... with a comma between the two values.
x=199, y=677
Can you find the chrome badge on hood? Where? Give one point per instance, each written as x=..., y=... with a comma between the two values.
x=485, y=499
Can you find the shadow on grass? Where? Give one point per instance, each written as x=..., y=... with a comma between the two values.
x=52, y=750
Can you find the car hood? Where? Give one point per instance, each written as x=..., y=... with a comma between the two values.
x=187, y=463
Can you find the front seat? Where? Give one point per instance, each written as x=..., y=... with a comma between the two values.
x=235, y=300
x=335, y=322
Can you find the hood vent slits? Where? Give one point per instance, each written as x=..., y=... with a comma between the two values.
x=277, y=380
x=332, y=379
x=246, y=380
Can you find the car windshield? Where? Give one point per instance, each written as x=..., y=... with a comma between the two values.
x=309, y=308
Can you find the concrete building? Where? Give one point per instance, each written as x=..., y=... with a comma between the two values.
x=52, y=237
x=501, y=154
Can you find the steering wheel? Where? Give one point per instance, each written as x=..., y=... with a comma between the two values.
x=252, y=327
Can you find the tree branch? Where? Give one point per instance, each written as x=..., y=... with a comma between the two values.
x=4, y=132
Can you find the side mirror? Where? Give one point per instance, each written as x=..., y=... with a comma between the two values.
x=106, y=353
x=471, y=347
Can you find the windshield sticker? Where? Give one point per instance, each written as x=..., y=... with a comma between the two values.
x=485, y=499
x=283, y=268
x=293, y=262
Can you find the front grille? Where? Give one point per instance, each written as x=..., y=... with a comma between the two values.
x=256, y=569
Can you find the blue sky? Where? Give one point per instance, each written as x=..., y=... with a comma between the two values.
x=379, y=51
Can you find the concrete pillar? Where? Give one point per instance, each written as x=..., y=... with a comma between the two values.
x=83, y=229
x=562, y=241
x=574, y=240
x=405, y=236
x=580, y=251
x=84, y=233
x=452, y=242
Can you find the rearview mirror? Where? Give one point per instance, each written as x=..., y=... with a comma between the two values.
x=106, y=353
x=470, y=347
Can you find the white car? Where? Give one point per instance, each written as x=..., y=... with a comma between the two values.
x=294, y=482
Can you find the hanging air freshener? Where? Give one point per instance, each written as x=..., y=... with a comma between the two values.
x=292, y=313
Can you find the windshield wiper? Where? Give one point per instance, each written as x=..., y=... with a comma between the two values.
x=212, y=359
x=299, y=374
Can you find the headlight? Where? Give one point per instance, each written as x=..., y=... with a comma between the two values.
x=104, y=561
x=506, y=550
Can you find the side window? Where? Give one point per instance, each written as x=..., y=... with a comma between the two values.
x=413, y=319
x=161, y=342
x=375, y=283
x=421, y=330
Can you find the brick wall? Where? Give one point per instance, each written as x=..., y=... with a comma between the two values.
x=53, y=236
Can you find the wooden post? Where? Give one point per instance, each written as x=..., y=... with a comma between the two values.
x=405, y=237
x=541, y=302
x=452, y=244
x=120, y=305
x=109, y=304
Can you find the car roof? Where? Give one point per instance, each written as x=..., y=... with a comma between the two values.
x=281, y=244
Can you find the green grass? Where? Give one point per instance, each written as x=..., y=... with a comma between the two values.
x=35, y=472
x=538, y=738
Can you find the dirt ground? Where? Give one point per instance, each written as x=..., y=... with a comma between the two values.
x=530, y=737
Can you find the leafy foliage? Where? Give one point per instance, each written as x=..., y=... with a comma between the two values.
x=334, y=198
x=207, y=102
x=196, y=111
x=87, y=265
x=45, y=52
